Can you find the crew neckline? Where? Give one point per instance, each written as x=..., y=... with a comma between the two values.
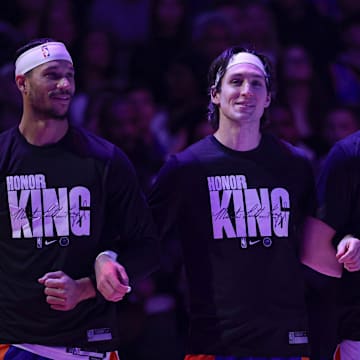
x=226, y=149
x=47, y=146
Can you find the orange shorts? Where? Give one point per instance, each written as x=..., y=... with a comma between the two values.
x=216, y=357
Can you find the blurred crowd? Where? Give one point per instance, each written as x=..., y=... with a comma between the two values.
x=141, y=68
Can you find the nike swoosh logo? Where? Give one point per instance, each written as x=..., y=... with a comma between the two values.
x=253, y=242
x=49, y=242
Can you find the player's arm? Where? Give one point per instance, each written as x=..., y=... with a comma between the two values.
x=111, y=277
x=64, y=293
x=129, y=233
x=348, y=253
x=317, y=251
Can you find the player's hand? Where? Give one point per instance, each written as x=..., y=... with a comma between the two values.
x=111, y=278
x=348, y=253
x=64, y=293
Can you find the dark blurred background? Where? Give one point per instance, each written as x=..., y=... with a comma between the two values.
x=141, y=68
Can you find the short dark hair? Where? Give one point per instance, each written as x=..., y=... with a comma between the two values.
x=30, y=45
x=217, y=71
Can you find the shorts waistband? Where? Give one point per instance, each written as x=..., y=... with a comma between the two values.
x=85, y=352
x=68, y=353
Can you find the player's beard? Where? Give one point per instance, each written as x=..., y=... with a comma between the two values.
x=52, y=113
x=50, y=110
x=59, y=117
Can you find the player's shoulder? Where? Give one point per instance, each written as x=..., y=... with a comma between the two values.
x=8, y=135
x=285, y=149
x=349, y=146
x=89, y=144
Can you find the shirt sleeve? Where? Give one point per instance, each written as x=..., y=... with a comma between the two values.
x=165, y=202
x=337, y=190
x=130, y=230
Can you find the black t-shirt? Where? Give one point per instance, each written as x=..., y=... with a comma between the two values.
x=60, y=205
x=238, y=217
x=339, y=207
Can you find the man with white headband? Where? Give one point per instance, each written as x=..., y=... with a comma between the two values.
x=70, y=207
x=233, y=204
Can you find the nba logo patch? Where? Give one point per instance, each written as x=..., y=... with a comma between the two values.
x=45, y=51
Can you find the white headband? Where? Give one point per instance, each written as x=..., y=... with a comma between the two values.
x=243, y=58
x=41, y=54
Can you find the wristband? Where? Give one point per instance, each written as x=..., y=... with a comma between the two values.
x=111, y=254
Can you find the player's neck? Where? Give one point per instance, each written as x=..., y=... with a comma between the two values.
x=239, y=139
x=43, y=132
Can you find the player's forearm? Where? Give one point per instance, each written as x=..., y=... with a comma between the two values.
x=317, y=251
x=323, y=262
x=86, y=289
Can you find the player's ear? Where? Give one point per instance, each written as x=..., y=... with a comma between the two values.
x=214, y=94
x=268, y=100
x=21, y=83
